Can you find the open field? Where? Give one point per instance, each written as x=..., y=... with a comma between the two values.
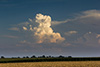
x=54, y=64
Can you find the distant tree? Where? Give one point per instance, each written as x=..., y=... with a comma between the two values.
x=43, y=56
x=27, y=57
x=18, y=57
x=48, y=56
x=23, y=57
x=61, y=56
x=2, y=57
x=33, y=56
x=69, y=56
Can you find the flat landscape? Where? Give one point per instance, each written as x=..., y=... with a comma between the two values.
x=53, y=64
x=49, y=33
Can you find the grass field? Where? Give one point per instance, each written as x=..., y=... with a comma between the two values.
x=54, y=64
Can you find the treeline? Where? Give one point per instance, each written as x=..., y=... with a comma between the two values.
x=43, y=56
x=47, y=59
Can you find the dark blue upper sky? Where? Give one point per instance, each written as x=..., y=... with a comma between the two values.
x=15, y=12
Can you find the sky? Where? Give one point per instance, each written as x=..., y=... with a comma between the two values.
x=50, y=27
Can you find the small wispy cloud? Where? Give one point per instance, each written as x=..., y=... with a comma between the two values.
x=88, y=39
x=91, y=13
x=98, y=35
x=23, y=24
x=85, y=17
x=25, y=42
x=14, y=29
x=24, y=28
x=59, y=22
x=70, y=33
x=10, y=36
x=91, y=17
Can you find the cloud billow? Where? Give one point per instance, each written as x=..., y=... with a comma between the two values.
x=43, y=32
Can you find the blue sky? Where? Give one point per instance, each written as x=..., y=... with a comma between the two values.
x=74, y=27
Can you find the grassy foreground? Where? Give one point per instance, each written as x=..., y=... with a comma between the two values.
x=54, y=64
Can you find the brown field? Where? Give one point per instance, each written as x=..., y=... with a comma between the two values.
x=54, y=64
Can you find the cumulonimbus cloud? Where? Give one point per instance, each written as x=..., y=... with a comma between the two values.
x=43, y=33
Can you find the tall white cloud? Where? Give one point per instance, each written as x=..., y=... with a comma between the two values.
x=44, y=33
